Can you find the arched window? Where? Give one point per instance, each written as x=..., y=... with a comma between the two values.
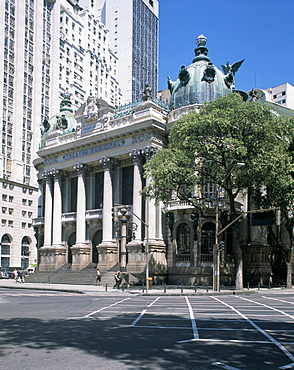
x=183, y=253
x=207, y=241
x=5, y=252
x=25, y=252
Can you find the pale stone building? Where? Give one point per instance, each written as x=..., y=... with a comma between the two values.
x=92, y=160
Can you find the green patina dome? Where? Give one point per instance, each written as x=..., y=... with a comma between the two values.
x=201, y=81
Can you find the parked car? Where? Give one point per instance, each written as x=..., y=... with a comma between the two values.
x=10, y=275
x=3, y=275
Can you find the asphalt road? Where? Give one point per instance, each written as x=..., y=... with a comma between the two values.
x=58, y=330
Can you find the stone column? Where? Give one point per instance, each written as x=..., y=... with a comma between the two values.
x=137, y=197
x=108, y=249
x=47, y=257
x=81, y=249
x=81, y=205
x=156, y=244
x=107, y=201
x=57, y=203
x=152, y=214
x=60, y=250
x=48, y=210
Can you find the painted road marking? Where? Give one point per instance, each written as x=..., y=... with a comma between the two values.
x=269, y=307
x=290, y=366
x=152, y=303
x=193, y=323
x=143, y=312
x=97, y=311
x=279, y=300
x=223, y=366
x=278, y=344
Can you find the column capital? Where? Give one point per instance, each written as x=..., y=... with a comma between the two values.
x=149, y=151
x=80, y=168
x=55, y=173
x=46, y=175
x=137, y=156
x=107, y=162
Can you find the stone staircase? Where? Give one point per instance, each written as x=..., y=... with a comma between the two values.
x=86, y=276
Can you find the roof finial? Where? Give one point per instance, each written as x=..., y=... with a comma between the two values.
x=201, y=40
x=201, y=51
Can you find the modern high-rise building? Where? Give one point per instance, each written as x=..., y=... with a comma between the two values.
x=282, y=94
x=47, y=48
x=133, y=35
x=24, y=81
x=87, y=65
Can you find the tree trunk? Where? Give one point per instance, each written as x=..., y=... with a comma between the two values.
x=238, y=259
x=289, y=264
x=289, y=256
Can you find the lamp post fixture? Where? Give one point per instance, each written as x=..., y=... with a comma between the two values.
x=217, y=247
x=121, y=226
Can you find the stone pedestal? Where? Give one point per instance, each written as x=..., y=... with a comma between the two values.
x=47, y=259
x=107, y=255
x=60, y=256
x=81, y=256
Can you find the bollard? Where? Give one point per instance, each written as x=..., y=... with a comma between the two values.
x=195, y=288
x=182, y=288
x=269, y=284
x=207, y=289
x=247, y=286
x=106, y=287
x=49, y=279
x=258, y=286
x=164, y=288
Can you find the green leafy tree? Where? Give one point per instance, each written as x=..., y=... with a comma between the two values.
x=205, y=147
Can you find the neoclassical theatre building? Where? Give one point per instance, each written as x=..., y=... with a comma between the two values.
x=93, y=159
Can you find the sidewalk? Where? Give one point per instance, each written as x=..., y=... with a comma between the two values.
x=154, y=291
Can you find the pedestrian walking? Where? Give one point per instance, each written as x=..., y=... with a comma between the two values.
x=117, y=280
x=98, y=277
x=18, y=276
x=15, y=275
x=23, y=276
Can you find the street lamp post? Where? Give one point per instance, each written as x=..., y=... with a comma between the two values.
x=216, y=257
x=121, y=228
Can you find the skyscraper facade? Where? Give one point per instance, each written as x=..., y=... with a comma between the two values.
x=47, y=48
x=21, y=77
x=87, y=65
x=133, y=35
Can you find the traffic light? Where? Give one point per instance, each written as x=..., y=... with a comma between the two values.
x=114, y=212
x=142, y=247
x=221, y=246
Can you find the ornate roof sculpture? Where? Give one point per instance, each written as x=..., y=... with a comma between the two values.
x=61, y=123
x=201, y=81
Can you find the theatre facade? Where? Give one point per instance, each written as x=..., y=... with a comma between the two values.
x=92, y=160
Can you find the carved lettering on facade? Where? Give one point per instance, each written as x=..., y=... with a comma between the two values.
x=95, y=149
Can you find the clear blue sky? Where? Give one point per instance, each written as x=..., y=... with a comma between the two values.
x=259, y=31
